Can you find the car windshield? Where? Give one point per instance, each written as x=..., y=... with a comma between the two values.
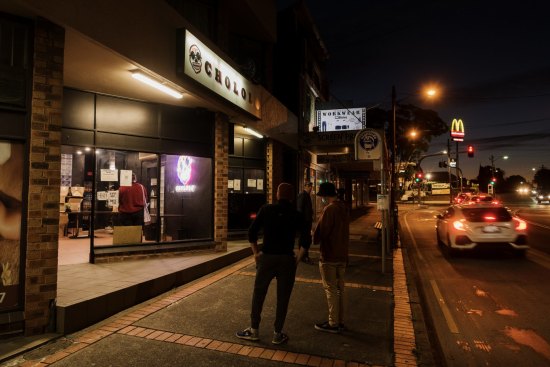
x=487, y=214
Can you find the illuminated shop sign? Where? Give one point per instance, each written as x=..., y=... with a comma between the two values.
x=206, y=67
x=184, y=170
x=341, y=119
x=457, y=130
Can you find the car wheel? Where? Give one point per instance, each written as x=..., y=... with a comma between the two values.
x=439, y=242
x=520, y=253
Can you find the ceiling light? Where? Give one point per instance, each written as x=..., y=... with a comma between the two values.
x=155, y=84
x=252, y=132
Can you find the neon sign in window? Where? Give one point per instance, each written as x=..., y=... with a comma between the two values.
x=184, y=170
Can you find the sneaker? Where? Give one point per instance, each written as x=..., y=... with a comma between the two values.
x=248, y=334
x=325, y=326
x=279, y=338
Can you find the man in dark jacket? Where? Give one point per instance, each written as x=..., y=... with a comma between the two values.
x=280, y=223
x=305, y=207
x=332, y=233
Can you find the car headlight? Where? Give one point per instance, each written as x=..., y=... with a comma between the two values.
x=541, y=196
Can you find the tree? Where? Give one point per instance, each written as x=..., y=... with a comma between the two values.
x=408, y=117
x=542, y=178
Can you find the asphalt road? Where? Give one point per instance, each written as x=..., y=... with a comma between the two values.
x=484, y=309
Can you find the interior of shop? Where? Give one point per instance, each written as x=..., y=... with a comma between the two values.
x=176, y=188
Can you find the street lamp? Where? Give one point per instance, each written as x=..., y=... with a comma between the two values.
x=430, y=93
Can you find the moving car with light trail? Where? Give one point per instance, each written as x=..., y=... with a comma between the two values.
x=481, y=225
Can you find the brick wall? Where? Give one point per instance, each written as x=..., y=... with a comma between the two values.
x=221, y=171
x=44, y=176
x=274, y=161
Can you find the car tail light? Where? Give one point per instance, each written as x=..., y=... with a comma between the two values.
x=521, y=225
x=459, y=225
x=489, y=218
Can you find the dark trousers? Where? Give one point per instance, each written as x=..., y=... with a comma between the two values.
x=131, y=219
x=282, y=267
x=305, y=238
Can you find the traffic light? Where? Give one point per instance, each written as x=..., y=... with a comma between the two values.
x=493, y=181
x=418, y=177
x=443, y=164
x=470, y=151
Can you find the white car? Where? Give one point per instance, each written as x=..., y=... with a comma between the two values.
x=469, y=226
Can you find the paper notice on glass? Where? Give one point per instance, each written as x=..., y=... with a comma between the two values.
x=153, y=181
x=229, y=184
x=125, y=177
x=251, y=182
x=260, y=184
x=109, y=174
x=112, y=197
x=102, y=195
x=236, y=185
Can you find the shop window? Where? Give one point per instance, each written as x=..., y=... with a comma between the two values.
x=11, y=188
x=186, y=197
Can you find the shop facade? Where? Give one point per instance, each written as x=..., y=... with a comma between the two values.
x=80, y=129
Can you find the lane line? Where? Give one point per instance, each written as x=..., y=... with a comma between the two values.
x=453, y=328
x=539, y=257
x=418, y=254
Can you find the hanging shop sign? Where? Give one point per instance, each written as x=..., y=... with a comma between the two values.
x=204, y=66
x=368, y=144
x=341, y=119
x=457, y=130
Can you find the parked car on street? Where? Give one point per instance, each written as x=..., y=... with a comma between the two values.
x=468, y=226
x=461, y=197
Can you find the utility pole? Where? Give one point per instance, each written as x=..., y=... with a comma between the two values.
x=393, y=184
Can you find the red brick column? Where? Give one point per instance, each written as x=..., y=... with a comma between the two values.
x=221, y=171
x=44, y=176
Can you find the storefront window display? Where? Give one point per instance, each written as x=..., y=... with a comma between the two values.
x=176, y=188
x=11, y=186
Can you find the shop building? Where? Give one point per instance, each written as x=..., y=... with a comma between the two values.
x=76, y=125
x=324, y=154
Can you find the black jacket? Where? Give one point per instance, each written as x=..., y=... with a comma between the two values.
x=280, y=223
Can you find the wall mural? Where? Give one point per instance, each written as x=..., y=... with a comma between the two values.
x=11, y=186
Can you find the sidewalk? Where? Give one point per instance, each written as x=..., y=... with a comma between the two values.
x=194, y=324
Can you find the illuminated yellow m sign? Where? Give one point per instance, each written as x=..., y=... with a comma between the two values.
x=457, y=130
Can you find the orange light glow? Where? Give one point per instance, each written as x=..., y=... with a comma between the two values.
x=521, y=225
x=459, y=225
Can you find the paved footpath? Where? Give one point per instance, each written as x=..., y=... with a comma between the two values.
x=195, y=324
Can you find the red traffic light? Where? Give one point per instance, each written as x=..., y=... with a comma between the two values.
x=470, y=151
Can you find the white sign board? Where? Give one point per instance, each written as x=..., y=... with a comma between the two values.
x=206, y=67
x=341, y=119
x=368, y=145
x=382, y=202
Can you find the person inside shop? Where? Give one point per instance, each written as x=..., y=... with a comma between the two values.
x=132, y=200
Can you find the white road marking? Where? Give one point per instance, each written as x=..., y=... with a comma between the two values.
x=453, y=328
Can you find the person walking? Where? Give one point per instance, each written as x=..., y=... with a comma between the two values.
x=132, y=201
x=276, y=259
x=304, y=206
x=332, y=233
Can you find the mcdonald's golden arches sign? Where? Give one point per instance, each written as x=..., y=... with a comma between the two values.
x=457, y=130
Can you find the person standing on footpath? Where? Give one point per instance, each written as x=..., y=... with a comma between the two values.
x=276, y=259
x=305, y=207
x=332, y=233
x=132, y=199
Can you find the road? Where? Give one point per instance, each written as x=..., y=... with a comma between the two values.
x=484, y=309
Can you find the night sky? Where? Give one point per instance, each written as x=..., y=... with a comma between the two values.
x=490, y=59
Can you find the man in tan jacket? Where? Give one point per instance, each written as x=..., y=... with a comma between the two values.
x=332, y=233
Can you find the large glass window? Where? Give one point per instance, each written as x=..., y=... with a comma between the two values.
x=177, y=190
x=186, y=196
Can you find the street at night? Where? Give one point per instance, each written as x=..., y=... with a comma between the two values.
x=486, y=307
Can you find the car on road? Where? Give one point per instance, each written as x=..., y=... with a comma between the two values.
x=461, y=197
x=481, y=225
x=475, y=199
x=543, y=197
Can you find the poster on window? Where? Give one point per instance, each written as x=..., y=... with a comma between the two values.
x=11, y=187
